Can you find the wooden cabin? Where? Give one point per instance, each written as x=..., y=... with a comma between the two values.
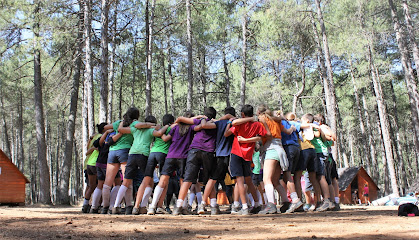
x=355, y=178
x=12, y=182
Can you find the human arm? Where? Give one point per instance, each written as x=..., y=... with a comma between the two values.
x=208, y=124
x=103, y=137
x=144, y=125
x=90, y=150
x=159, y=133
x=226, y=117
x=288, y=131
x=198, y=128
x=265, y=125
x=240, y=121
x=166, y=137
x=187, y=120
x=248, y=140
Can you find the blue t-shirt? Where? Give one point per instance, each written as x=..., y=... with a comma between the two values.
x=293, y=138
x=223, y=144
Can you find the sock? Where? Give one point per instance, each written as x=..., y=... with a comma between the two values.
x=265, y=198
x=282, y=192
x=251, y=200
x=86, y=201
x=260, y=202
x=114, y=193
x=213, y=202
x=198, y=196
x=120, y=196
x=244, y=206
x=294, y=197
x=156, y=196
x=269, y=190
x=337, y=200
x=179, y=203
x=203, y=203
x=236, y=203
x=129, y=197
x=96, y=198
x=106, y=195
x=146, y=196
x=191, y=198
x=185, y=203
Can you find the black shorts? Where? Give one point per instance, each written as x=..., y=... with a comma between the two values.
x=324, y=167
x=154, y=159
x=91, y=170
x=101, y=173
x=221, y=169
x=334, y=170
x=174, y=164
x=195, y=159
x=256, y=179
x=293, y=155
x=135, y=162
x=307, y=160
x=239, y=167
x=86, y=177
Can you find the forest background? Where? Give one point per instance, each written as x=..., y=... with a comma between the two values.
x=68, y=65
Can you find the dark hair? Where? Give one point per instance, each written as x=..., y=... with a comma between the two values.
x=309, y=117
x=132, y=114
x=210, y=112
x=100, y=127
x=150, y=119
x=184, y=128
x=230, y=110
x=168, y=119
x=247, y=110
x=319, y=118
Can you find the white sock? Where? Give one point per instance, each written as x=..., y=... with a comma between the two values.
x=96, y=198
x=337, y=200
x=244, y=206
x=213, y=202
x=106, y=195
x=294, y=197
x=198, y=196
x=129, y=197
x=179, y=203
x=191, y=198
x=282, y=192
x=114, y=193
x=265, y=198
x=156, y=196
x=270, y=194
x=146, y=196
x=251, y=200
x=86, y=201
x=260, y=202
x=236, y=203
x=120, y=196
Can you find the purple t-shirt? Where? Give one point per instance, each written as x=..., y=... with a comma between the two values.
x=180, y=144
x=205, y=139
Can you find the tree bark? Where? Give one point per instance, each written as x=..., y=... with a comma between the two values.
x=202, y=76
x=134, y=73
x=244, y=57
x=62, y=194
x=412, y=35
x=88, y=73
x=169, y=71
x=104, y=91
x=5, y=139
x=189, y=100
x=371, y=141
x=112, y=64
x=120, y=93
x=303, y=84
x=44, y=175
x=227, y=80
x=384, y=123
x=148, y=90
x=166, y=107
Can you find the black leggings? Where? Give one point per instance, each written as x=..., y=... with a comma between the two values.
x=172, y=188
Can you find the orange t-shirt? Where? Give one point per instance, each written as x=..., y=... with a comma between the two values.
x=274, y=127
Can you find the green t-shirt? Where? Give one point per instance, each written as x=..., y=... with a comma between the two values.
x=320, y=146
x=256, y=162
x=91, y=158
x=160, y=145
x=125, y=141
x=142, y=140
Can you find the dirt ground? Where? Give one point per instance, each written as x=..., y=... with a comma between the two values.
x=68, y=223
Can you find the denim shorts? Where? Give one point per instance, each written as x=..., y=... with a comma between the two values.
x=118, y=156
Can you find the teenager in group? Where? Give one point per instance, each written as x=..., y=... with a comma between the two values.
x=118, y=155
x=157, y=156
x=181, y=135
x=257, y=173
x=143, y=133
x=103, y=144
x=91, y=157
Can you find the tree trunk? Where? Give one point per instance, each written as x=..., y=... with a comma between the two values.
x=412, y=35
x=169, y=71
x=412, y=90
x=331, y=104
x=21, y=152
x=189, y=100
x=104, y=91
x=62, y=194
x=303, y=84
x=244, y=57
x=5, y=139
x=44, y=176
x=371, y=141
x=88, y=73
x=112, y=64
x=120, y=93
x=166, y=107
x=278, y=81
x=134, y=73
x=202, y=76
x=148, y=107
x=384, y=123
x=227, y=80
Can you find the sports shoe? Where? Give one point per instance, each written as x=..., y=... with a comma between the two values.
x=284, y=207
x=151, y=211
x=201, y=209
x=307, y=206
x=337, y=207
x=143, y=210
x=215, y=210
x=235, y=210
x=177, y=211
x=168, y=210
x=116, y=210
x=135, y=211
x=85, y=209
x=244, y=212
x=269, y=209
x=95, y=211
x=294, y=206
x=186, y=211
x=256, y=210
x=160, y=210
x=325, y=206
x=128, y=210
x=104, y=210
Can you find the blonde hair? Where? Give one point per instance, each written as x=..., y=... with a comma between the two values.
x=264, y=111
x=290, y=116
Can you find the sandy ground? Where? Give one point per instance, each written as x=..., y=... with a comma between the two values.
x=68, y=223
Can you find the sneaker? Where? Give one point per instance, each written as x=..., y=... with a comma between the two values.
x=244, y=212
x=143, y=210
x=235, y=210
x=269, y=209
x=177, y=211
x=337, y=207
x=284, y=207
x=325, y=206
x=307, y=206
x=332, y=206
x=135, y=211
x=94, y=211
x=151, y=211
x=116, y=210
x=189, y=208
x=160, y=210
x=186, y=211
x=128, y=210
x=104, y=210
x=312, y=208
x=85, y=209
x=215, y=210
x=256, y=210
x=300, y=209
x=201, y=209
x=294, y=206
x=168, y=210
